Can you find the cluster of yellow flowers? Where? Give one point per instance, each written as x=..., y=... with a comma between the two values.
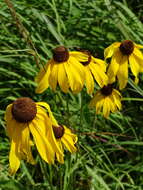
x=24, y=119
x=78, y=68
x=28, y=122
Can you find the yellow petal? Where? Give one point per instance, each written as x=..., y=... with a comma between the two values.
x=80, y=56
x=15, y=154
x=117, y=98
x=42, y=78
x=96, y=98
x=140, y=62
x=42, y=72
x=89, y=80
x=44, y=147
x=53, y=77
x=138, y=53
x=69, y=143
x=100, y=62
x=99, y=75
x=69, y=132
x=111, y=104
x=26, y=144
x=62, y=78
x=109, y=51
x=114, y=66
x=139, y=46
x=60, y=158
x=76, y=74
x=47, y=107
x=99, y=106
x=122, y=74
x=135, y=67
x=14, y=158
x=51, y=138
x=8, y=118
x=106, y=108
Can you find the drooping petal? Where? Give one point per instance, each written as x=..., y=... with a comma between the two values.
x=69, y=132
x=109, y=51
x=69, y=144
x=138, y=53
x=15, y=154
x=51, y=138
x=14, y=157
x=135, y=67
x=26, y=144
x=47, y=107
x=99, y=105
x=98, y=74
x=100, y=62
x=89, y=80
x=8, y=118
x=43, y=145
x=112, y=104
x=117, y=98
x=114, y=66
x=60, y=158
x=139, y=61
x=62, y=78
x=96, y=98
x=46, y=122
x=53, y=76
x=106, y=107
x=42, y=78
x=76, y=74
x=138, y=46
x=122, y=74
x=80, y=56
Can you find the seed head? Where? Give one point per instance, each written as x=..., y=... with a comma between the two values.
x=60, y=54
x=107, y=90
x=58, y=131
x=126, y=47
x=24, y=110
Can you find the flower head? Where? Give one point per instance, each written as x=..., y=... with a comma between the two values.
x=63, y=136
x=106, y=100
x=64, y=70
x=94, y=69
x=122, y=54
x=24, y=117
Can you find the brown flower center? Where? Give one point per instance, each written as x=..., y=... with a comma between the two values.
x=107, y=90
x=89, y=57
x=24, y=110
x=126, y=47
x=60, y=54
x=58, y=131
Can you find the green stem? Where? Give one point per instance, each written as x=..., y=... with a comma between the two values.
x=81, y=109
x=133, y=99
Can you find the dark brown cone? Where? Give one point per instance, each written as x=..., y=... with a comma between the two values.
x=58, y=131
x=60, y=54
x=126, y=47
x=89, y=57
x=107, y=90
x=24, y=110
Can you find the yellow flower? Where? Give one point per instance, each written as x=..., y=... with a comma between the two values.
x=63, y=135
x=122, y=54
x=94, y=69
x=106, y=100
x=63, y=70
x=24, y=118
x=65, y=138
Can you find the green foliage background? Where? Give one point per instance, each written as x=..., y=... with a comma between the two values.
x=110, y=152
